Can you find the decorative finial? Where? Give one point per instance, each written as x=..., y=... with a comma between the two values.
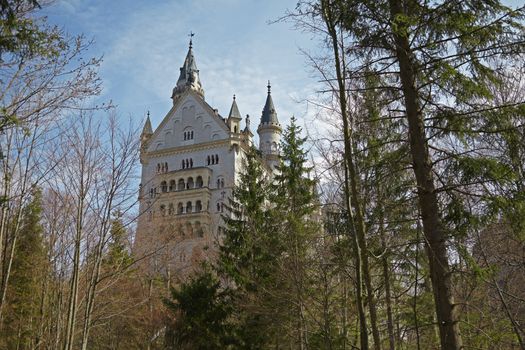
x=148, y=114
x=269, y=87
x=234, y=97
x=191, y=35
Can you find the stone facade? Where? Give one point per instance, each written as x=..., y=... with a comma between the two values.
x=190, y=163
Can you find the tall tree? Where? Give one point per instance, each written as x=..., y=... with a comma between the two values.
x=248, y=255
x=23, y=299
x=295, y=207
x=442, y=52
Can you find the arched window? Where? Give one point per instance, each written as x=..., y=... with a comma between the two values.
x=173, y=185
x=188, y=134
x=235, y=129
x=218, y=183
x=222, y=183
x=163, y=186
x=199, y=182
x=166, y=167
x=216, y=159
x=180, y=185
x=187, y=163
x=190, y=184
x=171, y=209
x=163, y=210
x=158, y=168
x=191, y=162
x=189, y=207
x=208, y=160
x=198, y=206
x=218, y=206
x=183, y=164
x=180, y=208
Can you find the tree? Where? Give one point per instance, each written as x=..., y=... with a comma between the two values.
x=248, y=255
x=295, y=207
x=200, y=310
x=43, y=76
x=21, y=324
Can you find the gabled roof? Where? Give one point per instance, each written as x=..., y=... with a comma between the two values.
x=216, y=117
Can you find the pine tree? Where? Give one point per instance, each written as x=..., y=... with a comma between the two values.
x=295, y=204
x=117, y=256
x=248, y=255
x=23, y=295
x=435, y=55
x=200, y=309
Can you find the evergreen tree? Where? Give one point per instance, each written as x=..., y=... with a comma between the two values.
x=294, y=204
x=200, y=309
x=23, y=295
x=248, y=255
x=117, y=256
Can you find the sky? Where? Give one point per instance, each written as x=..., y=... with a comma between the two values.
x=144, y=43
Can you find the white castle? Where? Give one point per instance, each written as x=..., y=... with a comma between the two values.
x=189, y=166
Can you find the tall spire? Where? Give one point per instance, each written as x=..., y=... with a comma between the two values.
x=189, y=74
x=269, y=115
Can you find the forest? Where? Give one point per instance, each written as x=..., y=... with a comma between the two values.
x=400, y=226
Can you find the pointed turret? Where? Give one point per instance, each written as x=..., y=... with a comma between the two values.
x=189, y=76
x=234, y=117
x=269, y=115
x=147, y=129
x=147, y=132
x=269, y=131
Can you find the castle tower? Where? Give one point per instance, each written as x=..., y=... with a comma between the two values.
x=269, y=131
x=234, y=118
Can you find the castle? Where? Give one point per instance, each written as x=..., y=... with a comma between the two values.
x=190, y=164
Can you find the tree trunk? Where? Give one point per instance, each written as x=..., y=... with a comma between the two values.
x=435, y=236
x=388, y=292
x=350, y=187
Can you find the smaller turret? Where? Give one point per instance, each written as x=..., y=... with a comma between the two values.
x=145, y=136
x=269, y=131
x=234, y=118
x=147, y=131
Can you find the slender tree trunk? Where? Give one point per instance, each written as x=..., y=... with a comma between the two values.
x=349, y=185
x=436, y=240
x=73, y=293
x=388, y=292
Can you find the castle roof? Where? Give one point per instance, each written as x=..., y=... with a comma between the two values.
x=189, y=75
x=269, y=115
x=234, y=110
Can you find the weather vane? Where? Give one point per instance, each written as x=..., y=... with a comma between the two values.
x=191, y=35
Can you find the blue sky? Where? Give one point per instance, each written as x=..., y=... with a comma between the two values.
x=144, y=43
